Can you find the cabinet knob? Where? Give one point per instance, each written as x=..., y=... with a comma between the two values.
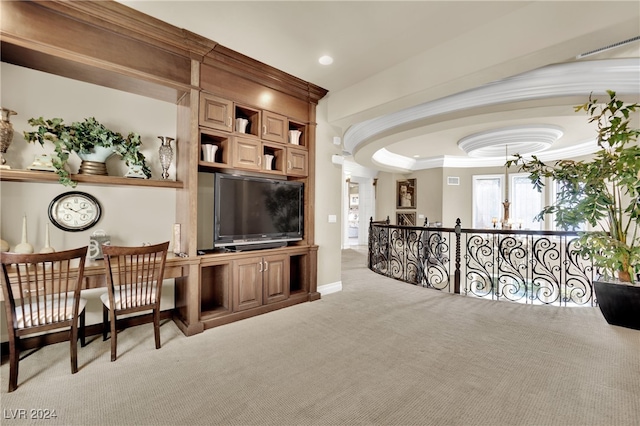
x=229, y=121
x=289, y=165
x=266, y=266
x=264, y=129
x=260, y=266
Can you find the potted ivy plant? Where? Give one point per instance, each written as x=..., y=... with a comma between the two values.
x=605, y=193
x=84, y=138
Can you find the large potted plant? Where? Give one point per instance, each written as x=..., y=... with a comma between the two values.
x=605, y=193
x=89, y=139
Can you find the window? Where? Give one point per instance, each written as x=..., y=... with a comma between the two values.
x=526, y=202
x=487, y=200
x=488, y=196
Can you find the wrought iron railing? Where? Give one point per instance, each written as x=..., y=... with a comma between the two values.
x=539, y=267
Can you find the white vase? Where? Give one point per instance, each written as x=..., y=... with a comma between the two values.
x=24, y=247
x=209, y=153
x=241, y=125
x=268, y=161
x=47, y=242
x=294, y=136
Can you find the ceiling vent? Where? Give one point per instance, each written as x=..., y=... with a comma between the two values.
x=611, y=46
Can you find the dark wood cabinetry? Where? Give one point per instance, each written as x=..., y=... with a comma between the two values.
x=216, y=113
x=247, y=154
x=109, y=44
x=275, y=280
x=260, y=280
x=297, y=162
x=247, y=283
x=238, y=285
x=274, y=127
x=250, y=145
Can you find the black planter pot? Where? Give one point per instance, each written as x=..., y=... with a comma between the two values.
x=619, y=303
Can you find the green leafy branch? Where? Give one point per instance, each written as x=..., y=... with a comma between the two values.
x=603, y=192
x=81, y=137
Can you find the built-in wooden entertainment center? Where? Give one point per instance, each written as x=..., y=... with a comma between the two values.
x=109, y=44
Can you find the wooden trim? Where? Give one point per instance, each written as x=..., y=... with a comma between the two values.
x=238, y=64
x=294, y=299
x=119, y=18
x=35, y=176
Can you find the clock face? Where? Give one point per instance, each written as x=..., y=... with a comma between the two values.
x=74, y=211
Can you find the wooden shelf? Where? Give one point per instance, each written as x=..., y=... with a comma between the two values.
x=35, y=176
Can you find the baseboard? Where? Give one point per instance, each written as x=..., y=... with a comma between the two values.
x=330, y=288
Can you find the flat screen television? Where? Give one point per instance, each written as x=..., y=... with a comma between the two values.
x=253, y=212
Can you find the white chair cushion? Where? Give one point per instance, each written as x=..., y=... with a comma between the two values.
x=51, y=310
x=131, y=299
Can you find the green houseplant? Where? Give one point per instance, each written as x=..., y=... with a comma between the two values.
x=81, y=137
x=604, y=192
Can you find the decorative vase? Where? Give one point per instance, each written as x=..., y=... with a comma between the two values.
x=209, y=153
x=268, y=161
x=4, y=246
x=6, y=135
x=95, y=162
x=241, y=125
x=47, y=242
x=165, y=153
x=294, y=136
x=24, y=247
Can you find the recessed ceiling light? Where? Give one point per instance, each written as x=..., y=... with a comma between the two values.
x=416, y=156
x=325, y=60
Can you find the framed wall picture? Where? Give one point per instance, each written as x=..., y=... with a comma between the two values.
x=406, y=194
x=406, y=219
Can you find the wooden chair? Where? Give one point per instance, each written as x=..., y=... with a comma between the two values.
x=42, y=293
x=134, y=281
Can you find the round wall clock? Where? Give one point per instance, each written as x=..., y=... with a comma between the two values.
x=74, y=211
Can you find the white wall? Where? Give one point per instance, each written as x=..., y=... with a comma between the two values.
x=328, y=202
x=131, y=215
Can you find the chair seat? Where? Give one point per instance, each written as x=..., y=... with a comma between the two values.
x=134, y=284
x=130, y=297
x=52, y=311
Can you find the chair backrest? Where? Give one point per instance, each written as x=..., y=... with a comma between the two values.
x=134, y=275
x=42, y=291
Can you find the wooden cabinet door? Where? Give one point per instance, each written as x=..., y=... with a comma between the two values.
x=247, y=283
x=275, y=127
x=276, y=278
x=216, y=113
x=247, y=154
x=297, y=162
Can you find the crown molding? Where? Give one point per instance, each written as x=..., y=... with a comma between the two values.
x=561, y=80
x=525, y=139
x=401, y=164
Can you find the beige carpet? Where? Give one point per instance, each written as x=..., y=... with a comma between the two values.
x=380, y=352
